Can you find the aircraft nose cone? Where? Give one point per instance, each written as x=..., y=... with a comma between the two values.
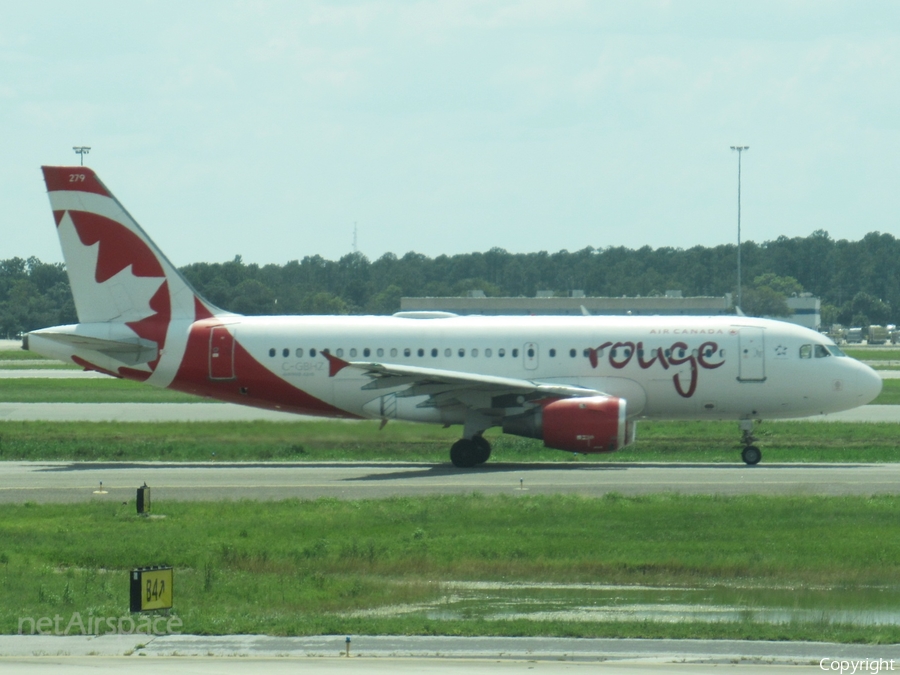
x=870, y=386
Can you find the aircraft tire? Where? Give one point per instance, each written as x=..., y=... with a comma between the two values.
x=464, y=453
x=751, y=455
x=483, y=449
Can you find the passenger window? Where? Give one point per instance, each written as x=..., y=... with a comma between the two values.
x=367, y=352
x=393, y=351
x=285, y=352
x=501, y=352
x=461, y=352
x=552, y=353
x=586, y=353
x=312, y=352
x=821, y=352
x=530, y=352
x=407, y=352
x=572, y=353
x=474, y=353
x=380, y=352
x=339, y=351
x=434, y=351
x=272, y=351
x=448, y=352
x=488, y=352
x=353, y=352
x=515, y=353
x=421, y=352
x=299, y=352
x=805, y=351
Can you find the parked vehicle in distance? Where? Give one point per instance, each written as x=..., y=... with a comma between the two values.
x=854, y=336
x=878, y=335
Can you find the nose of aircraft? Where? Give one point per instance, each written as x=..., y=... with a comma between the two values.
x=869, y=383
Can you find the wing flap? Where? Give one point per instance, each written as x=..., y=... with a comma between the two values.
x=437, y=382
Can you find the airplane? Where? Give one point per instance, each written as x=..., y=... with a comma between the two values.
x=578, y=383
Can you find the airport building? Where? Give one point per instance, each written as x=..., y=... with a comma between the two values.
x=806, y=308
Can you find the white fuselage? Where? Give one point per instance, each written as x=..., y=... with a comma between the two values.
x=748, y=369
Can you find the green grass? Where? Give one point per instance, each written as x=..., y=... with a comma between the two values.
x=108, y=390
x=21, y=355
x=873, y=354
x=890, y=393
x=300, y=567
x=318, y=441
x=44, y=365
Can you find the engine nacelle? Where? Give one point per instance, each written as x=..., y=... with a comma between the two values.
x=589, y=424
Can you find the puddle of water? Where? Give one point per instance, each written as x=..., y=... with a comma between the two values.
x=587, y=602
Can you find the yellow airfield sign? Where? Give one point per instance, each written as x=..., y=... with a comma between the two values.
x=151, y=588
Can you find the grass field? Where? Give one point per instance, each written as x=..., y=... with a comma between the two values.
x=326, y=566
x=873, y=353
x=105, y=390
x=354, y=441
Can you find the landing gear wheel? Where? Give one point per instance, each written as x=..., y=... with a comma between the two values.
x=751, y=455
x=464, y=453
x=483, y=449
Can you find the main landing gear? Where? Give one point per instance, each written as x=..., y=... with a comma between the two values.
x=750, y=454
x=466, y=453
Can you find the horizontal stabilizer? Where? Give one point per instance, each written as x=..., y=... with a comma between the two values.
x=130, y=351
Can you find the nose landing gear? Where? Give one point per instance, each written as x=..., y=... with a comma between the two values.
x=750, y=454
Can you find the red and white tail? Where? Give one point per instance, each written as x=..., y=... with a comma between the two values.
x=133, y=305
x=116, y=271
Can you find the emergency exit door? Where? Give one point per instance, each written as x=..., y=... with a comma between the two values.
x=221, y=354
x=752, y=354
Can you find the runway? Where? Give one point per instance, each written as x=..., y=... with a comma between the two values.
x=425, y=654
x=116, y=482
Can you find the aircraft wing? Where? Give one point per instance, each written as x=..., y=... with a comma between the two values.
x=448, y=388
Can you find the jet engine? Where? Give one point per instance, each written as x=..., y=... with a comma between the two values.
x=588, y=424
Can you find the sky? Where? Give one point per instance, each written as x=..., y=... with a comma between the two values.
x=270, y=129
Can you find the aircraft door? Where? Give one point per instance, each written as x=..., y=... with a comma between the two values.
x=221, y=354
x=752, y=354
x=530, y=355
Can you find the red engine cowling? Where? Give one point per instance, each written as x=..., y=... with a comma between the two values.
x=590, y=424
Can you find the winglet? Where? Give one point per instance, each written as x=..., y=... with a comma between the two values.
x=335, y=365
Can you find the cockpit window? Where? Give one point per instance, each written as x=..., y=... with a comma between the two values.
x=821, y=352
x=806, y=351
x=835, y=351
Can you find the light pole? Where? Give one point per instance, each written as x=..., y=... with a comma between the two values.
x=740, y=149
x=82, y=150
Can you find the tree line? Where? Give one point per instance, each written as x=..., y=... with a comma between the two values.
x=856, y=280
